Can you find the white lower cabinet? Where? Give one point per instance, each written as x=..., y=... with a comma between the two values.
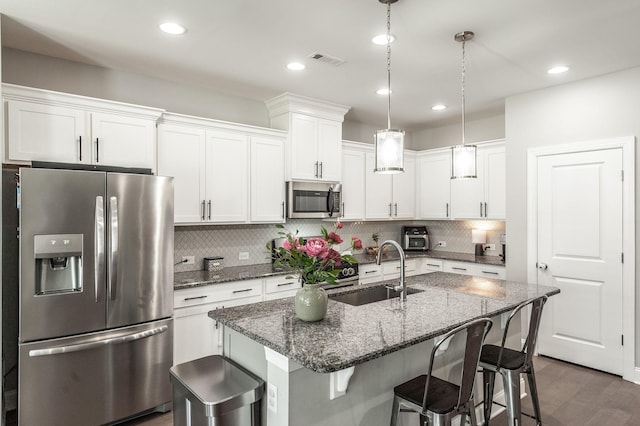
x=391, y=270
x=280, y=286
x=475, y=269
x=195, y=334
x=370, y=273
x=428, y=265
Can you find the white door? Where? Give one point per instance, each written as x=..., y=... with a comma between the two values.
x=353, y=186
x=404, y=191
x=181, y=155
x=434, y=185
x=304, y=147
x=495, y=179
x=330, y=150
x=123, y=141
x=579, y=251
x=267, y=180
x=378, y=203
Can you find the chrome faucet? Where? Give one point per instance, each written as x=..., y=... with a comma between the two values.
x=402, y=287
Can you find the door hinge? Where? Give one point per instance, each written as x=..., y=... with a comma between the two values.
x=622, y=339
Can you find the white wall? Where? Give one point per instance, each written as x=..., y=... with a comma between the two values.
x=477, y=130
x=603, y=107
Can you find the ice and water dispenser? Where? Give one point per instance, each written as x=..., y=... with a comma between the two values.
x=58, y=263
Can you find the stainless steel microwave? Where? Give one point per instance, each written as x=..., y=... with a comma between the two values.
x=313, y=200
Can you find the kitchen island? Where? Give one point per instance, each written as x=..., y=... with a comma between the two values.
x=342, y=370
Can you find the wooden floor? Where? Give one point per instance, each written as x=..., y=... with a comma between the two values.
x=570, y=395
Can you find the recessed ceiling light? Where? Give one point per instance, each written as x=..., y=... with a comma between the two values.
x=384, y=91
x=172, y=28
x=558, y=70
x=381, y=39
x=296, y=66
x=439, y=107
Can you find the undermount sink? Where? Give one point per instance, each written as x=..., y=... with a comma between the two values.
x=369, y=295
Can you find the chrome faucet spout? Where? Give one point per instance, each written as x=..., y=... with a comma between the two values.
x=403, y=283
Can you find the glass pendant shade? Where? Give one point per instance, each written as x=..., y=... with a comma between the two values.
x=389, y=151
x=463, y=164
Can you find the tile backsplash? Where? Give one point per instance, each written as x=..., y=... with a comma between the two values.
x=229, y=241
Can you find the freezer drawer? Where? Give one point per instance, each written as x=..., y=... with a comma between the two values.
x=95, y=378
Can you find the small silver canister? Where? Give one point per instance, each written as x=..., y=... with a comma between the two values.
x=213, y=264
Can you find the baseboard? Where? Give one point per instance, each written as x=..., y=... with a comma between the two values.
x=636, y=376
x=11, y=400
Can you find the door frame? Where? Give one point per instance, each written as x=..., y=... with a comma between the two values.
x=627, y=144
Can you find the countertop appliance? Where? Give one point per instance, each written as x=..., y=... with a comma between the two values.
x=96, y=295
x=313, y=200
x=415, y=238
x=347, y=276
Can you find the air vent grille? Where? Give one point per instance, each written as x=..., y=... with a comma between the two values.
x=327, y=59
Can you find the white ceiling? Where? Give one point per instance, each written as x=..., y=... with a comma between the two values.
x=241, y=47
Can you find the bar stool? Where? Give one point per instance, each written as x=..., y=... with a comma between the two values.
x=510, y=363
x=436, y=400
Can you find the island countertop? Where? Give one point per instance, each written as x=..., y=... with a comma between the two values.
x=351, y=335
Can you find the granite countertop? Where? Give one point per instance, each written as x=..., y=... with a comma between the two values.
x=351, y=335
x=190, y=279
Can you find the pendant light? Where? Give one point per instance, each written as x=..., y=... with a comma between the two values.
x=463, y=157
x=389, y=142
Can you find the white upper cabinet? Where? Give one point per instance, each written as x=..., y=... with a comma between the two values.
x=484, y=197
x=314, y=145
x=433, y=184
x=390, y=196
x=267, y=180
x=353, y=182
x=223, y=172
x=59, y=127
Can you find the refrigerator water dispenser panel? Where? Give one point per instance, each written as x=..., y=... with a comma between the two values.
x=58, y=261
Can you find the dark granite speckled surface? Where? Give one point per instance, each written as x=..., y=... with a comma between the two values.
x=238, y=273
x=350, y=335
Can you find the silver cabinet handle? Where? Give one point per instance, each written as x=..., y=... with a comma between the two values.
x=97, y=150
x=315, y=170
x=209, y=209
x=542, y=266
x=434, y=265
x=98, y=244
x=371, y=272
x=396, y=209
x=390, y=209
x=321, y=170
x=480, y=209
x=195, y=298
x=113, y=243
x=286, y=284
x=80, y=146
x=490, y=272
x=242, y=291
x=98, y=344
x=283, y=209
x=485, y=210
x=447, y=210
x=458, y=269
x=202, y=209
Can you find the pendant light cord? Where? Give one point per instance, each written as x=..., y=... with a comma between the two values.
x=389, y=64
x=463, y=81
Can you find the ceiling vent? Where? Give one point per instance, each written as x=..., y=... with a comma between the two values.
x=327, y=59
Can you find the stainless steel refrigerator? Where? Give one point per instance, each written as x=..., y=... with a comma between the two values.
x=96, y=296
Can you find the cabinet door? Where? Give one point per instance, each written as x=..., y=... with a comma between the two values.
x=122, y=141
x=353, y=185
x=181, y=154
x=46, y=133
x=226, y=177
x=195, y=334
x=404, y=191
x=267, y=180
x=329, y=150
x=378, y=203
x=434, y=178
x=304, y=150
x=495, y=180
x=467, y=195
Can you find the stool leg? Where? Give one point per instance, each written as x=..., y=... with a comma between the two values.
x=533, y=388
x=488, y=381
x=472, y=412
x=395, y=411
x=511, y=384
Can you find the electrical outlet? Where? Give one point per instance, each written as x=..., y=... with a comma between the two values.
x=272, y=397
x=188, y=260
x=489, y=246
x=442, y=243
x=243, y=255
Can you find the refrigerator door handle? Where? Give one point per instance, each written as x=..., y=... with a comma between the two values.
x=98, y=344
x=98, y=242
x=113, y=247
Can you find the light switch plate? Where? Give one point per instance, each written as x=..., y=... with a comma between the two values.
x=272, y=397
x=243, y=255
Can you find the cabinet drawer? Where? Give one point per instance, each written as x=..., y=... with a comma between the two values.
x=370, y=273
x=281, y=283
x=476, y=269
x=392, y=269
x=432, y=265
x=491, y=271
x=216, y=293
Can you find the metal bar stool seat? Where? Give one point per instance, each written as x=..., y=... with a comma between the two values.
x=510, y=363
x=436, y=400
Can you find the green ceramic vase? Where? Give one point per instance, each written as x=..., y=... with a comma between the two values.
x=311, y=302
